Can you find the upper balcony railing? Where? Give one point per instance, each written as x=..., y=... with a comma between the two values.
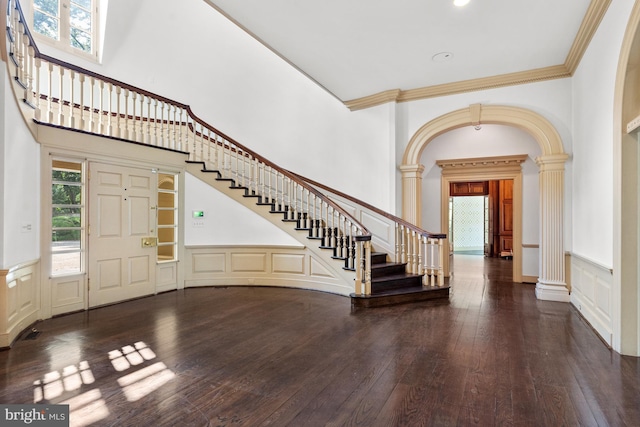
x=61, y=94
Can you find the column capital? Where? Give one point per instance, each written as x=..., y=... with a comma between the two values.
x=414, y=171
x=552, y=161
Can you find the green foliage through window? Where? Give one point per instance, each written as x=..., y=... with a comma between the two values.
x=49, y=15
x=66, y=217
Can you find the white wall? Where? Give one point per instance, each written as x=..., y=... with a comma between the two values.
x=21, y=184
x=225, y=221
x=593, y=96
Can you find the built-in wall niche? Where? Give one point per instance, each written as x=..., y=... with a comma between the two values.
x=167, y=217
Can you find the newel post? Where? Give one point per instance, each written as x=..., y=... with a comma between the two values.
x=551, y=283
x=412, y=189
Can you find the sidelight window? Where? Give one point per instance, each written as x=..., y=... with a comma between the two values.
x=67, y=218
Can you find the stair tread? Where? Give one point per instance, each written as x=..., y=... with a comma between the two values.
x=403, y=291
x=388, y=264
x=395, y=279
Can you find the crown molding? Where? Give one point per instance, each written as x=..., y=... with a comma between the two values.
x=596, y=11
x=594, y=15
x=372, y=100
x=511, y=79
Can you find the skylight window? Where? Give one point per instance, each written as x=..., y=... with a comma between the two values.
x=70, y=25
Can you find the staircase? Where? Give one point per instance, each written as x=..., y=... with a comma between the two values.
x=89, y=103
x=391, y=284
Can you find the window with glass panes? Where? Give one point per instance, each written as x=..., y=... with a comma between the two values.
x=167, y=217
x=67, y=218
x=67, y=23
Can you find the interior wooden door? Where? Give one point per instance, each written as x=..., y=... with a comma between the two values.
x=506, y=217
x=122, y=214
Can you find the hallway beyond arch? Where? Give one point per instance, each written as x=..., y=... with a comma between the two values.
x=551, y=282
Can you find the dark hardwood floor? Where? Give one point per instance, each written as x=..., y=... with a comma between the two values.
x=242, y=356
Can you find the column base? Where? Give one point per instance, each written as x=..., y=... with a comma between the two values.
x=552, y=292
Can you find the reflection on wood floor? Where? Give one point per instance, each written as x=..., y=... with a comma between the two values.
x=245, y=356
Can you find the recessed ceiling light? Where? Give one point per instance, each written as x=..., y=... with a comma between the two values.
x=460, y=3
x=442, y=57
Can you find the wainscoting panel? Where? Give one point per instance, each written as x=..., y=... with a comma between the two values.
x=261, y=265
x=166, y=276
x=288, y=263
x=317, y=269
x=19, y=300
x=383, y=232
x=208, y=263
x=591, y=294
x=68, y=294
x=254, y=263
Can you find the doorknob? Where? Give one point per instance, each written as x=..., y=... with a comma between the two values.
x=149, y=242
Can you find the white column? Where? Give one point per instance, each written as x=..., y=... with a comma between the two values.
x=551, y=284
x=412, y=193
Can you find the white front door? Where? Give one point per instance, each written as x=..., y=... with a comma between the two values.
x=122, y=205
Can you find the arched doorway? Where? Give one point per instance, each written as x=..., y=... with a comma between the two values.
x=551, y=282
x=626, y=243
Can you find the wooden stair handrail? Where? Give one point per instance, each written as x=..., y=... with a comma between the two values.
x=379, y=211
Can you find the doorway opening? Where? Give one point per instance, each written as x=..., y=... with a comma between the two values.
x=481, y=218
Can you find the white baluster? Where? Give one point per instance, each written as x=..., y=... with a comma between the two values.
x=210, y=142
x=181, y=129
x=156, y=139
x=92, y=87
x=50, y=94
x=81, y=78
x=440, y=262
x=416, y=248
x=403, y=245
x=174, y=132
x=38, y=112
x=110, y=111
x=216, y=152
x=422, y=256
x=28, y=71
x=72, y=91
x=141, y=119
x=100, y=125
x=149, y=138
x=432, y=266
x=119, y=131
x=20, y=53
x=202, y=143
x=134, y=120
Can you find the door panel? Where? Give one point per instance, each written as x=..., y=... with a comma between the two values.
x=122, y=211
